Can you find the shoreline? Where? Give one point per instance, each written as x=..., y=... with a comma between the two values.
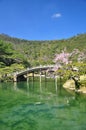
x=69, y=84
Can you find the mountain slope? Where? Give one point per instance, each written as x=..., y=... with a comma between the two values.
x=43, y=52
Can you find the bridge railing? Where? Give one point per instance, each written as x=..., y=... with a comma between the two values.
x=33, y=68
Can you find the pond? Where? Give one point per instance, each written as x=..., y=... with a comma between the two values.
x=40, y=106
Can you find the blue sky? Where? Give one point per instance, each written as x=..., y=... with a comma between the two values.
x=42, y=19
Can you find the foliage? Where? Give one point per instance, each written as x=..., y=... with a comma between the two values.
x=5, y=48
x=43, y=52
x=16, y=52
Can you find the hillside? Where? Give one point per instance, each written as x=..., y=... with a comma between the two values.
x=33, y=53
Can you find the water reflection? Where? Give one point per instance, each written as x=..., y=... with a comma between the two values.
x=48, y=90
x=40, y=86
x=40, y=106
x=15, y=86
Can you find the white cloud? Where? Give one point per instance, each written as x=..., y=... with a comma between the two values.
x=57, y=15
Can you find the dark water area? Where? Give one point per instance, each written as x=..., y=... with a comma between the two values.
x=40, y=106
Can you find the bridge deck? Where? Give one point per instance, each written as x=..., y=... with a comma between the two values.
x=29, y=70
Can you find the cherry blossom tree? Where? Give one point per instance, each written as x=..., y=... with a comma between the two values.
x=61, y=59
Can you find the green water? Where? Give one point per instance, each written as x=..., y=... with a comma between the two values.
x=45, y=106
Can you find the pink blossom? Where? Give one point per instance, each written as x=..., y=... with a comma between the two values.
x=60, y=59
x=57, y=67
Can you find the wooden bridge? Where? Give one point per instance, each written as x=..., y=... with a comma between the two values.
x=22, y=75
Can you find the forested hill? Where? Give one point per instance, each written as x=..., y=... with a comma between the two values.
x=33, y=53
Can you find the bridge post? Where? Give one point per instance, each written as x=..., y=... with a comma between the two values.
x=27, y=76
x=56, y=82
x=40, y=77
x=15, y=78
x=28, y=79
x=45, y=76
x=33, y=76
